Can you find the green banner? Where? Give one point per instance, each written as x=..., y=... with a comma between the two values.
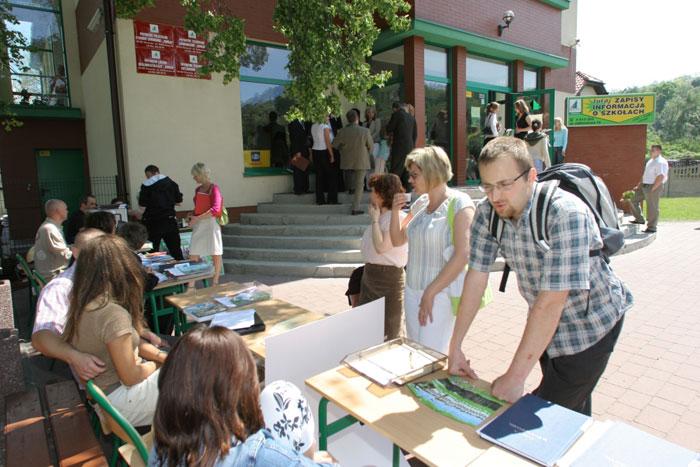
x=612, y=109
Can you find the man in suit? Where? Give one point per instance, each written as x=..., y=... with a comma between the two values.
x=300, y=146
x=403, y=131
x=356, y=143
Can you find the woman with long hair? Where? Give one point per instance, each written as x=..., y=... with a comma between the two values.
x=383, y=275
x=206, y=231
x=490, y=130
x=438, y=249
x=209, y=407
x=105, y=319
x=523, y=119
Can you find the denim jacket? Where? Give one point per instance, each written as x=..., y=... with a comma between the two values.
x=258, y=450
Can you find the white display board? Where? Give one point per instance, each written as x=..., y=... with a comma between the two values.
x=311, y=349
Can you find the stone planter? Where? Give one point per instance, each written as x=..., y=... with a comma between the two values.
x=10, y=363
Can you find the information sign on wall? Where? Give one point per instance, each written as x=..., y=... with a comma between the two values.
x=162, y=49
x=617, y=109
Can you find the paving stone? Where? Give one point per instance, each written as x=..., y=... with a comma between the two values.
x=658, y=419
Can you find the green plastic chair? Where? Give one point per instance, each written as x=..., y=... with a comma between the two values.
x=34, y=289
x=116, y=424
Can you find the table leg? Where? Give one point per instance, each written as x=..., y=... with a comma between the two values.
x=396, y=458
x=154, y=312
x=326, y=429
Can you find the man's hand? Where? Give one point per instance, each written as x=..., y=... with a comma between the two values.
x=508, y=388
x=86, y=366
x=457, y=364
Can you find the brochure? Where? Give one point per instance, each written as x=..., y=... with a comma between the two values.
x=203, y=311
x=536, y=429
x=234, y=320
x=457, y=398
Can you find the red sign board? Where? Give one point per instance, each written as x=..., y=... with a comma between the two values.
x=166, y=50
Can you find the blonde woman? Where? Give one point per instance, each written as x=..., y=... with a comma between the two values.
x=523, y=120
x=561, y=140
x=206, y=231
x=434, y=258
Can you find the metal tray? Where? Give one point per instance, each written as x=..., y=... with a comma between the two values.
x=396, y=362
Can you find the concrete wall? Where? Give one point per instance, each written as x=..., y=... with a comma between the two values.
x=616, y=153
x=569, y=32
x=97, y=108
x=175, y=122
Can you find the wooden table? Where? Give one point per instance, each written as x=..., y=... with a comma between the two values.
x=278, y=315
x=168, y=288
x=399, y=416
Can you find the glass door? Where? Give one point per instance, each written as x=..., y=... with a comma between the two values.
x=541, y=104
x=477, y=100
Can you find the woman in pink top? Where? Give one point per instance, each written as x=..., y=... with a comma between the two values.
x=206, y=232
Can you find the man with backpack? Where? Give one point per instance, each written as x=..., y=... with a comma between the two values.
x=576, y=303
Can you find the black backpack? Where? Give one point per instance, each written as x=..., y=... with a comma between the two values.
x=579, y=180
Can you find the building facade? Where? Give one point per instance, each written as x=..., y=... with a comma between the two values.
x=452, y=59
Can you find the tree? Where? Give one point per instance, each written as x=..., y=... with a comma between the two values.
x=329, y=43
x=12, y=43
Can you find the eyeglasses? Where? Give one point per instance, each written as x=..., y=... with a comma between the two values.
x=413, y=175
x=504, y=185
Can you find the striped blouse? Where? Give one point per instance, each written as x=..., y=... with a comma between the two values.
x=428, y=237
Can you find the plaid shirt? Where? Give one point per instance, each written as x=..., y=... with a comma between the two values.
x=597, y=298
x=53, y=303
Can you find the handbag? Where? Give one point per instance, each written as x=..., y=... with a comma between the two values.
x=300, y=162
x=454, y=290
x=223, y=218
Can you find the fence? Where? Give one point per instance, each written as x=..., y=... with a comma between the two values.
x=683, y=178
x=104, y=189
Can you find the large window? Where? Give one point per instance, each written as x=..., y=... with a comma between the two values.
x=41, y=77
x=529, y=79
x=488, y=72
x=389, y=60
x=437, y=97
x=263, y=80
x=384, y=97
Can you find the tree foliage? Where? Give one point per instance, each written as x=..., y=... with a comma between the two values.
x=12, y=43
x=130, y=8
x=329, y=43
x=677, y=124
x=211, y=19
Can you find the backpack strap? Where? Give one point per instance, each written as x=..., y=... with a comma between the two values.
x=539, y=212
x=496, y=225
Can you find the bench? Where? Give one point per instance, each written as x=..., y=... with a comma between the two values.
x=50, y=426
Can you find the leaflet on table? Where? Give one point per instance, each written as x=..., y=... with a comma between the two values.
x=537, y=429
x=186, y=269
x=254, y=293
x=203, y=311
x=240, y=319
x=619, y=444
x=457, y=398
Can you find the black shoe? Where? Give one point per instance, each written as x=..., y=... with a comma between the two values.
x=321, y=203
x=356, y=213
x=351, y=192
x=638, y=222
x=649, y=230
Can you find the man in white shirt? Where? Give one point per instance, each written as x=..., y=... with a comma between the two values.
x=649, y=189
x=51, y=254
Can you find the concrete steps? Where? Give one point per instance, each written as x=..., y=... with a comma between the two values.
x=292, y=236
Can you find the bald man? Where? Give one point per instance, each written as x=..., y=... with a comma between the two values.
x=51, y=254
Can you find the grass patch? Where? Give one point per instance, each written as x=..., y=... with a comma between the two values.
x=679, y=209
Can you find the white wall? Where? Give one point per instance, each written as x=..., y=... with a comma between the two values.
x=97, y=108
x=568, y=24
x=174, y=122
x=560, y=104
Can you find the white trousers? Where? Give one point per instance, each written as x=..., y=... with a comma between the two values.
x=137, y=403
x=437, y=334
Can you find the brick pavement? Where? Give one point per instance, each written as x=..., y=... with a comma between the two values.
x=653, y=379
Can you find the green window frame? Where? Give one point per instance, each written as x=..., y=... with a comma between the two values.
x=44, y=101
x=263, y=171
x=448, y=90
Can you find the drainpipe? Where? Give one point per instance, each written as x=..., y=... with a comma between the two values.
x=109, y=18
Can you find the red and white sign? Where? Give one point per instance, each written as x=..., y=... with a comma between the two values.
x=155, y=62
x=155, y=36
x=166, y=50
x=188, y=40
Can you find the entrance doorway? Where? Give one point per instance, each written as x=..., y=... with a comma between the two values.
x=541, y=103
x=61, y=175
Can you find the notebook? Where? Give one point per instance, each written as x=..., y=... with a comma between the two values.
x=536, y=429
